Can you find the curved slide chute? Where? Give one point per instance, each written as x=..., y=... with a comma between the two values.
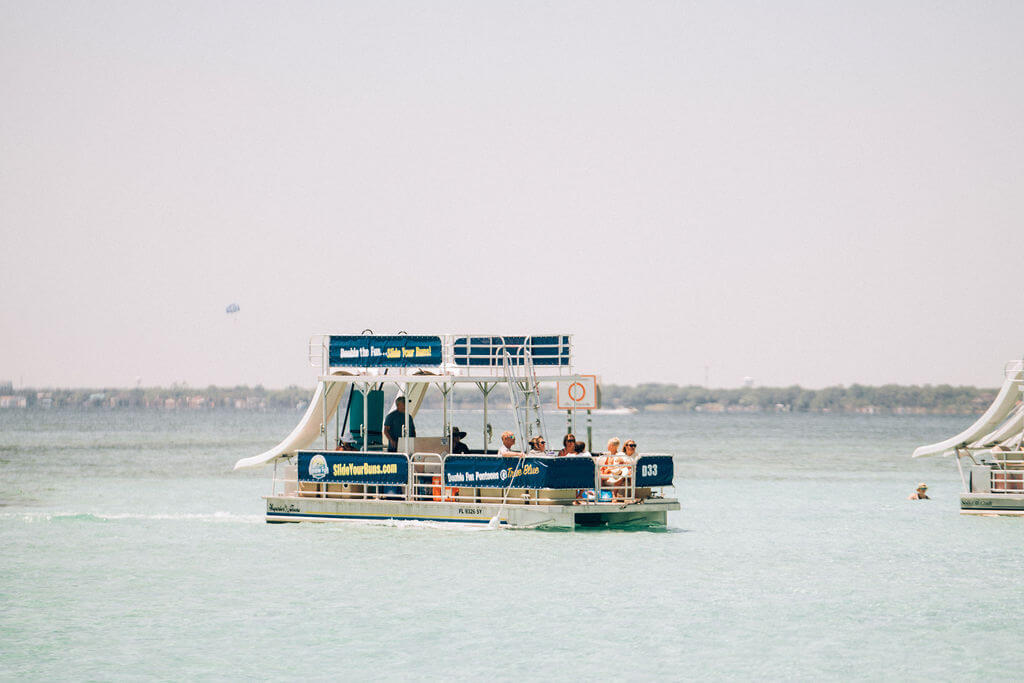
x=996, y=413
x=308, y=428
x=1011, y=427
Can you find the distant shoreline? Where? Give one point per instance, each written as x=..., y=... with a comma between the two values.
x=889, y=399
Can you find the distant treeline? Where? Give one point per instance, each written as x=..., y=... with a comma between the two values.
x=857, y=398
x=891, y=398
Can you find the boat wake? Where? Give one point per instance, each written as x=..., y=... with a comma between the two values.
x=408, y=524
x=217, y=517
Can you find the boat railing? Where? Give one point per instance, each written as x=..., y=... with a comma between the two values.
x=1014, y=368
x=485, y=354
x=1007, y=481
x=619, y=482
x=1002, y=462
x=472, y=354
x=426, y=474
x=614, y=482
x=427, y=482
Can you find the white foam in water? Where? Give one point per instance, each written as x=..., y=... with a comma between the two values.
x=218, y=516
x=406, y=524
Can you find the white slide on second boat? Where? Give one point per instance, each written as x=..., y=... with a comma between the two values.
x=995, y=414
x=1007, y=430
x=308, y=428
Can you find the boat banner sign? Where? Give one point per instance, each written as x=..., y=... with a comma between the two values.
x=531, y=473
x=353, y=468
x=384, y=351
x=654, y=470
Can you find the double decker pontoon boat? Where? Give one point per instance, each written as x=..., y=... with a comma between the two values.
x=418, y=477
x=993, y=476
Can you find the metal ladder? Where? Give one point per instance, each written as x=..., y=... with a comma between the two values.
x=525, y=396
x=532, y=391
x=515, y=397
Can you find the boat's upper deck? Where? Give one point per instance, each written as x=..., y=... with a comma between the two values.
x=459, y=357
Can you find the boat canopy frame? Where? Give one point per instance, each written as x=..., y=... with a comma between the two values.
x=484, y=360
x=369, y=361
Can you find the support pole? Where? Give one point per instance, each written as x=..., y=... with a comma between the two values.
x=323, y=406
x=960, y=467
x=590, y=433
x=363, y=432
x=485, y=389
x=445, y=419
x=405, y=428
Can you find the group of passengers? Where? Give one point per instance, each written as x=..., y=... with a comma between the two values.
x=570, y=446
x=615, y=468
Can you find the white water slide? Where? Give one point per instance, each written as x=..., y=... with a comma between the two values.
x=989, y=421
x=1007, y=432
x=308, y=429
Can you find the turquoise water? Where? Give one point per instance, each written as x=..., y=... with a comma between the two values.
x=131, y=550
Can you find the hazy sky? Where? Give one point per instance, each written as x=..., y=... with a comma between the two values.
x=806, y=193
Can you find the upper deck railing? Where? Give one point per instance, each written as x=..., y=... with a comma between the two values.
x=462, y=354
x=1013, y=368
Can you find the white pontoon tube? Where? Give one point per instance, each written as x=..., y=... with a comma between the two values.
x=996, y=413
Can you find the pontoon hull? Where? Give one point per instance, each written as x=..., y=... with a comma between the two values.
x=300, y=509
x=992, y=503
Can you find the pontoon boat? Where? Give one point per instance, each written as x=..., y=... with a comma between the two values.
x=989, y=453
x=417, y=477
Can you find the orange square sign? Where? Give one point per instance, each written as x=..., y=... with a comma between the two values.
x=579, y=393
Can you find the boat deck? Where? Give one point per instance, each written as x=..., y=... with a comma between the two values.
x=653, y=511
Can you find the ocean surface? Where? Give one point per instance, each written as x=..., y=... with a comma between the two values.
x=131, y=550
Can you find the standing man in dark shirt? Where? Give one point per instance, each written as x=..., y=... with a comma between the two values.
x=394, y=423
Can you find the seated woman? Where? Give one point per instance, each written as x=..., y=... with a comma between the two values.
x=628, y=459
x=568, y=445
x=616, y=469
x=537, y=445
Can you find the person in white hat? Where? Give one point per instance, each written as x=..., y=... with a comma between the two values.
x=921, y=493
